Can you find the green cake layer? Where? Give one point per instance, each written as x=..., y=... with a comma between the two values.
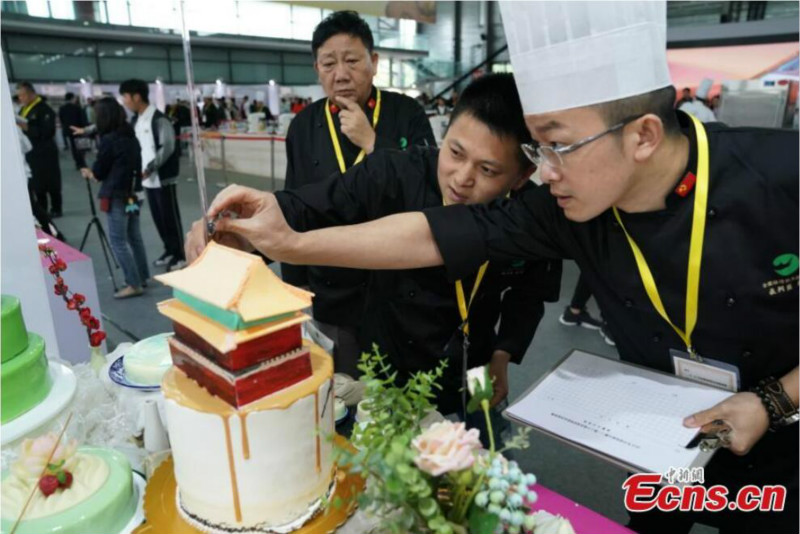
x=106, y=511
x=24, y=380
x=227, y=318
x=13, y=334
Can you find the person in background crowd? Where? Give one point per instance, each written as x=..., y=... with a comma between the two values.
x=211, y=114
x=360, y=119
x=244, y=107
x=71, y=114
x=424, y=100
x=38, y=121
x=118, y=168
x=233, y=109
x=699, y=106
x=89, y=111
x=714, y=105
x=42, y=217
x=686, y=97
x=160, y=168
x=441, y=106
x=259, y=106
x=453, y=100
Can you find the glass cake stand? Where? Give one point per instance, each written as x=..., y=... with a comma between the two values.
x=161, y=511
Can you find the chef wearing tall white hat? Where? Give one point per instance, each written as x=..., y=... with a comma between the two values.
x=686, y=233
x=699, y=106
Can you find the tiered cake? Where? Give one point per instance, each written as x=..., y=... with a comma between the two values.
x=24, y=369
x=249, y=405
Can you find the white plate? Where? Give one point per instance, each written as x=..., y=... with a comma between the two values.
x=63, y=390
x=117, y=374
x=139, y=484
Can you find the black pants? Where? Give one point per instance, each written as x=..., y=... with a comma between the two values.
x=46, y=182
x=43, y=218
x=167, y=217
x=77, y=155
x=581, y=295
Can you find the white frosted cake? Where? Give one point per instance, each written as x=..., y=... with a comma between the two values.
x=146, y=362
x=264, y=467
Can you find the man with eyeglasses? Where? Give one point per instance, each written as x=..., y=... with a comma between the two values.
x=687, y=233
x=333, y=134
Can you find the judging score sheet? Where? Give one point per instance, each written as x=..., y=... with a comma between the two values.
x=626, y=414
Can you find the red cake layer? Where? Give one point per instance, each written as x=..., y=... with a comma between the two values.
x=247, y=354
x=245, y=386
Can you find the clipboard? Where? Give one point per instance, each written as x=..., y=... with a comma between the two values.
x=572, y=403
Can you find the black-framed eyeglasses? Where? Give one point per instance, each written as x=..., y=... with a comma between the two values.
x=553, y=156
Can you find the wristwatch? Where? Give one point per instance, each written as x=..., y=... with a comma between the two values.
x=780, y=407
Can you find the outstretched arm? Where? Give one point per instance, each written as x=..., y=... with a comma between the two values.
x=365, y=246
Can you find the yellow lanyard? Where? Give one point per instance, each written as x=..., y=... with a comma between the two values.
x=335, y=138
x=695, y=247
x=27, y=109
x=463, y=305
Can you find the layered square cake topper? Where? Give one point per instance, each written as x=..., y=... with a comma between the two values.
x=237, y=325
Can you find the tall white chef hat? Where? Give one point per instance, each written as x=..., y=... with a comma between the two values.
x=704, y=88
x=570, y=54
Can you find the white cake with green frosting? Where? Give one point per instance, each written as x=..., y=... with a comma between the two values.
x=92, y=490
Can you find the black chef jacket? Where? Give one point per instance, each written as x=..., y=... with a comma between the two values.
x=43, y=157
x=412, y=315
x=311, y=159
x=748, y=301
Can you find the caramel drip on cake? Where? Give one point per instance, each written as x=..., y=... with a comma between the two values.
x=185, y=391
x=232, y=468
x=245, y=439
x=316, y=427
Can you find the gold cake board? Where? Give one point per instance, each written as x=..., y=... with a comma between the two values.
x=162, y=517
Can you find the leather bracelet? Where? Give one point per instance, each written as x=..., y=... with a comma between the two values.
x=776, y=401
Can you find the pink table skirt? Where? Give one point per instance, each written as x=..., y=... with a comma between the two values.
x=583, y=520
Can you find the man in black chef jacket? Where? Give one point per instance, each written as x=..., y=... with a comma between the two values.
x=38, y=121
x=333, y=134
x=632, y=184
x=413, y=315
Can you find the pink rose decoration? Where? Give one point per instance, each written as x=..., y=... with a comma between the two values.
x=445, y=447
x=33, y=455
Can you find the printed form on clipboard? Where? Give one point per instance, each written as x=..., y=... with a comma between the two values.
x=628, y=415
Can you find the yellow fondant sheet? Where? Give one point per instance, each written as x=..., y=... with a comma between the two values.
x=235, y=280
x=215, y=334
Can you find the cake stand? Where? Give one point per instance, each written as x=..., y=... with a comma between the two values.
x=161, y=511
x=64, y=385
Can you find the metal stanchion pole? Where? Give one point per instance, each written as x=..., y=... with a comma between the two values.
x=224, y=162
x=272, y=161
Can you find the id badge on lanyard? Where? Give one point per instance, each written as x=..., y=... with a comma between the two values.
x=705, y=370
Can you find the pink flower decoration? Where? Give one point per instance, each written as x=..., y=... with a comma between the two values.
x=446, y=447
